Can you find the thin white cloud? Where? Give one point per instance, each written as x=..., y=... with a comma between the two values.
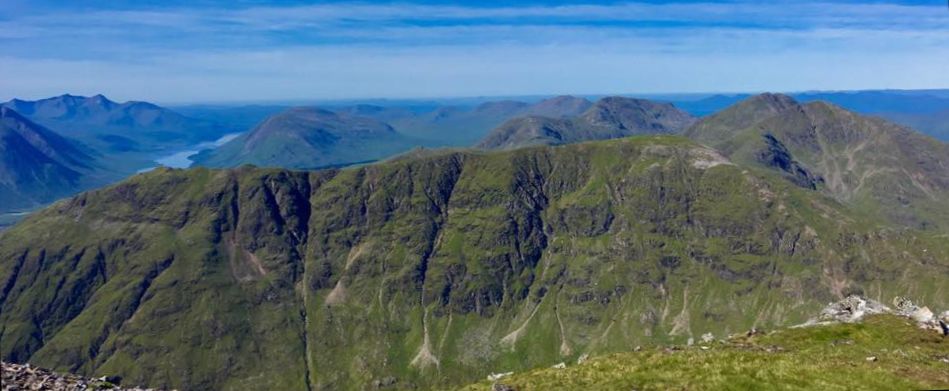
x=364, y=50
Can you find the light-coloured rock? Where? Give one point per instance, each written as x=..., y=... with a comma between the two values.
x=922, y=315
x=583, y=358
x=27, y=377
x=498, y=376
x=852, y=309
x=708, y=337
x=560, y=366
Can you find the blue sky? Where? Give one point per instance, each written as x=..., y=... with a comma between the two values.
x=215, y=51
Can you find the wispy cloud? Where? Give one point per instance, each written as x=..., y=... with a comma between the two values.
x=347, y=50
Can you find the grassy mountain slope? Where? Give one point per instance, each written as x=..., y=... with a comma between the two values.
x=833, y=357
x=608, y=118
x=867, y=162
x=436, y=270
x=306, y=137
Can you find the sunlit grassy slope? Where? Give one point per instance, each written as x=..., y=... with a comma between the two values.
x=885, y=352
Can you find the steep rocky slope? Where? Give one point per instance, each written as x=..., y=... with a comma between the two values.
x=608, y=118
x=435, y=270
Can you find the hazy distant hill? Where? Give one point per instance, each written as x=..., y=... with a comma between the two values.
x=237, y=118
x=610, y=117
x=109, y=126
x=451, y=125
x=306, y=137
x=935, y=124
x=37, y=166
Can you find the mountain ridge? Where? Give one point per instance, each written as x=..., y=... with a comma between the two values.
x=861, y=160
x=435, y=270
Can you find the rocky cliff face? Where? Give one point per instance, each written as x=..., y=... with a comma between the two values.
x=436, y=270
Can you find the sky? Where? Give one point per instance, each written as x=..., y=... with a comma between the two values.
x=181, y=51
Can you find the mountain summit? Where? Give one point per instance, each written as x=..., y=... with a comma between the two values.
x=867, y=162
x=610, y=117
x=308, y=137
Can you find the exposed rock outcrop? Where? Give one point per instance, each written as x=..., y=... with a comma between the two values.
x=27, y=377
x=854, y=308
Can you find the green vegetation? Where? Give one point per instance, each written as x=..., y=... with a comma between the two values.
x=884, y=352
x=435, y=270
x=875, y=166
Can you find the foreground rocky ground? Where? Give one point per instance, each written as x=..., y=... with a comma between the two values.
x=856, y=343
x=22, y=377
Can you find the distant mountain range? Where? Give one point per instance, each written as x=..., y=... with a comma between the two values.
x=464, y=126
x=58, y=146
x=309, y=137
x=38, y=166
x=441, y=267
x=109, y=126
x=128, y=137
x=611, y=117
